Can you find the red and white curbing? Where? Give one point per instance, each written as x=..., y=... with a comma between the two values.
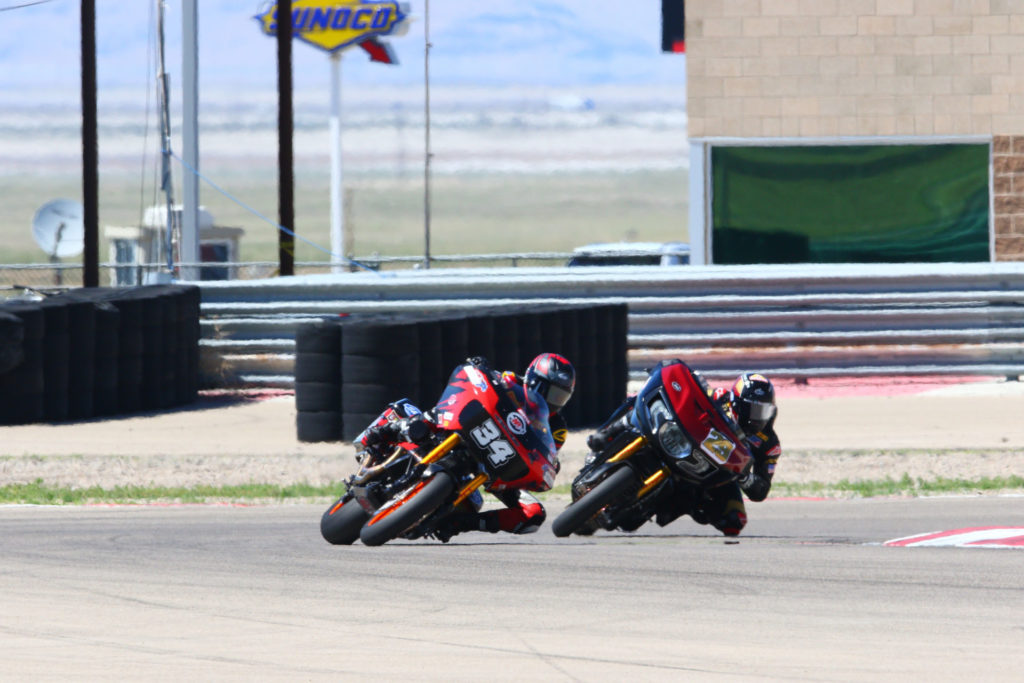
x=972, y=537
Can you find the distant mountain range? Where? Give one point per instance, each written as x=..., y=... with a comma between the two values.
x=555, y=44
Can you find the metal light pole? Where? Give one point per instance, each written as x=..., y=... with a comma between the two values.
x=188, y=250
x=426, y=128
x=337, y=202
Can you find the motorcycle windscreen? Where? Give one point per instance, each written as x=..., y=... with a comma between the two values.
x=466, y=385
x=702, y=419
x=523, y=417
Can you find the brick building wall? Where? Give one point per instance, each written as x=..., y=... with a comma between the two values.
x=1008, y=196
x=866, y=68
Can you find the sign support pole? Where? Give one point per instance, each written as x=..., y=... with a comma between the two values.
x=336, y=26
x=189, y=251
x=427, y=154
x=337, y=201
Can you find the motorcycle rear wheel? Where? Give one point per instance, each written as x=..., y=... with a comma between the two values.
x=407, y=510
x=614, y=486
x=342, y=521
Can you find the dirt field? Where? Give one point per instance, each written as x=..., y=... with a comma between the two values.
x=829, y=433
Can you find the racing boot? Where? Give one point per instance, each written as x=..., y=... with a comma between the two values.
x=733, y=519
x=459, y=522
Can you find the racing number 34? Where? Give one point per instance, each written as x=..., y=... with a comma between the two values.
x=488, y=436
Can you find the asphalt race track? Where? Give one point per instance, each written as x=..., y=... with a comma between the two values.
x=253, y=593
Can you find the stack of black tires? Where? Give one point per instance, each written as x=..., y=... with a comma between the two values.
x=100, y=351
x=381, y=359
x=318, y=381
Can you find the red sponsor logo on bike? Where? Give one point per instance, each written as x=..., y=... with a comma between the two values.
x=516, y=423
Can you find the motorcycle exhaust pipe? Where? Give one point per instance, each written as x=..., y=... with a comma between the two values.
x=368, y=473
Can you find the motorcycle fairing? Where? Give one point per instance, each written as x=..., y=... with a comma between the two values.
x=473, y=405
x=704, y=422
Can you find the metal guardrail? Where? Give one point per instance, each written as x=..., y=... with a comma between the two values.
x=58, y=276
x=792, y=320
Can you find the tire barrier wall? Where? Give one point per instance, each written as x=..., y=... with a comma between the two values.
x=12, y=335
x=318, y=381
x=347, y=370
x=100, y=351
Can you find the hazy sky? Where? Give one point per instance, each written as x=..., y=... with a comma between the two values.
x=479, y=42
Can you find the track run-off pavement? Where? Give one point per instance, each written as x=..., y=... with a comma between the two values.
x=809, y=592
x=822, y=590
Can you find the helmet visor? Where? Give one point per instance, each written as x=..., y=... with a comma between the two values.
x=760, y=413
x=557, y=397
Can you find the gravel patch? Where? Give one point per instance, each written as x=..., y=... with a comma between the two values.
x=238, y=440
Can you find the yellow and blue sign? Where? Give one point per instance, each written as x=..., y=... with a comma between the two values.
x=334, y=25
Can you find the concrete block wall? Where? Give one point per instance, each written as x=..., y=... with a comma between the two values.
x=866, y=68
x=855, y=67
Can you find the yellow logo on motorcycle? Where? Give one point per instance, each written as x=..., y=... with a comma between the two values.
x=718, y=446
x=334, y=25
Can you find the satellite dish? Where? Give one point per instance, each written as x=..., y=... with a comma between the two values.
x=58, y=228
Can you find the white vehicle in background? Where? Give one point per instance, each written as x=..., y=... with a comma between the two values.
x=631, y=254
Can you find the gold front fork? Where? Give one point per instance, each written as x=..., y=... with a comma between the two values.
x=442, y=449
x=652, y=481
x=468, y=489
x=629, y=450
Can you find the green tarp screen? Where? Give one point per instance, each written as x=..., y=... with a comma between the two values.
x=850, y=204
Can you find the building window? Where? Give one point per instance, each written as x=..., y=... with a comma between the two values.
x=850, y=203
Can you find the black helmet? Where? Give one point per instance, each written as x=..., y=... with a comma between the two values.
x=754, y=401
x=553, y=377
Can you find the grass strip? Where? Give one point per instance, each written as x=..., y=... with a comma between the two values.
x=40, y=493
x=904, y=486
x=872, y=488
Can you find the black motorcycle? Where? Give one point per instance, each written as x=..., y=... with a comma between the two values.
x=681, y=445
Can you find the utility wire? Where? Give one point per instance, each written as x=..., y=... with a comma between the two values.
x=24, y=5
x=256, y=213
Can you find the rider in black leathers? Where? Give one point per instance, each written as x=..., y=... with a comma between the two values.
x=751, y=402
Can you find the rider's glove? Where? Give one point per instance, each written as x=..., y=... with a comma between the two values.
x=378, y=438
x=415, y=429
x=380, y=435
x=755, y=486
x=596, y=442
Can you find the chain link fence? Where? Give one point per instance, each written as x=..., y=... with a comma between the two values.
x=15, y=278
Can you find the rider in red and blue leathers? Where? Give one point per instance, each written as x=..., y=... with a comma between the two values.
x=549, y=376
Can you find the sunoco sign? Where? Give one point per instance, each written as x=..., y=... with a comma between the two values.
x=334, y=25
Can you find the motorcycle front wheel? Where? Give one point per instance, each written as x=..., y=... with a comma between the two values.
x=407, y=510
x=342, y=521
x=615, y=485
